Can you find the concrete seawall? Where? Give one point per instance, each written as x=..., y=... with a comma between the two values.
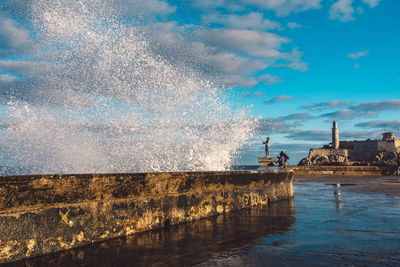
x=344, y=170
x=41, y=214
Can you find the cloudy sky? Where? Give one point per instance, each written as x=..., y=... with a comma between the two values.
x=299, y=64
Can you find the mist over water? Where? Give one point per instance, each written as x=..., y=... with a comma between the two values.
x=102, y=100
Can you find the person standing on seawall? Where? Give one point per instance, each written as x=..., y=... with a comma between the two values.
x=282, y=159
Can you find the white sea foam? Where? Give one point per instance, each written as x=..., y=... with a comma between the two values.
x=106, y=102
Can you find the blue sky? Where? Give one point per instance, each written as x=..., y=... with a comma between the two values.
x=299, y=64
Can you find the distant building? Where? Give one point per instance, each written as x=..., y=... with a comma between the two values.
x=381, y=152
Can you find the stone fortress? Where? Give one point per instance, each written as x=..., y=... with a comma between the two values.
x=381, y=152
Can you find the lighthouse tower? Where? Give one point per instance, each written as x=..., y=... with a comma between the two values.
x=335, y=135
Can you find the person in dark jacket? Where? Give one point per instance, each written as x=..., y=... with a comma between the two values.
x=282, y=159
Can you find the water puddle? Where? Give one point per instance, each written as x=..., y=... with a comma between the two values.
x=340, y=184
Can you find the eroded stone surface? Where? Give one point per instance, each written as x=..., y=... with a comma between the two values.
x=46, y=213
x=343, y=170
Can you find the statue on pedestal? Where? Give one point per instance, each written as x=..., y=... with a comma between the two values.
x=266, y=161
x=266, y=143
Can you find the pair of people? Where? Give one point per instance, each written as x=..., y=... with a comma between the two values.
x=282, y=159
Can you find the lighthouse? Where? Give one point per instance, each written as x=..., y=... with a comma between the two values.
x=335, y=135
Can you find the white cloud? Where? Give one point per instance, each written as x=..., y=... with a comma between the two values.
x=214, y=4
x=229, y=57
x=237, y=81
x=295, y=62
x=392, y=104
x=328, y=104
x=253, y=20
x=265, y=46
x=7, y=78
x=297, y=117
x=252, y=94
x=393, y=125
x=285, y=7
x=371, y=3
x=363, y=110
x=258, y=93
x=318, y=135
x=254, y=43
x=278, y=98
x=347, y=114
x=359, y=10
x=14, y=38
x=217, y=64
x=21, y=67
x=280, y=7
x=294, y=25
x=15, y=34
x=268, y=79
x=143, y=7
x=275, y=125
x=342, y=10
x=310, y=135
x=294, y=65
x=357, y=55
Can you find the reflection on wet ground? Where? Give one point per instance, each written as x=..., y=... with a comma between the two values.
x=325, y=225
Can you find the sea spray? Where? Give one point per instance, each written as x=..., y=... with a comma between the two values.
x=101, y=100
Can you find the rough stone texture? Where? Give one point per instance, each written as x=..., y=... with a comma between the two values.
x=343, y=170
x=325, y=157
x=178, y=245
x=267, y=161
x=46, y=213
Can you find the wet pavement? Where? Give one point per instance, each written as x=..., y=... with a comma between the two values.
x=323, y=225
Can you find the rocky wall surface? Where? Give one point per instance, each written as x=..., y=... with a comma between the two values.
x=41, y=214
x=321, y=156
x=327, y=152
x=386, y=157
x=343, y=170
x=179, y=245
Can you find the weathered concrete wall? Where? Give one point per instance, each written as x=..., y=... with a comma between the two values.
x=343, y=170
x=328, y=152
x=397, y=144
x=364, y=151
x=177, y=245
x=365, y=146
x=267, y=161
x=46, y=213
x=388, y=146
